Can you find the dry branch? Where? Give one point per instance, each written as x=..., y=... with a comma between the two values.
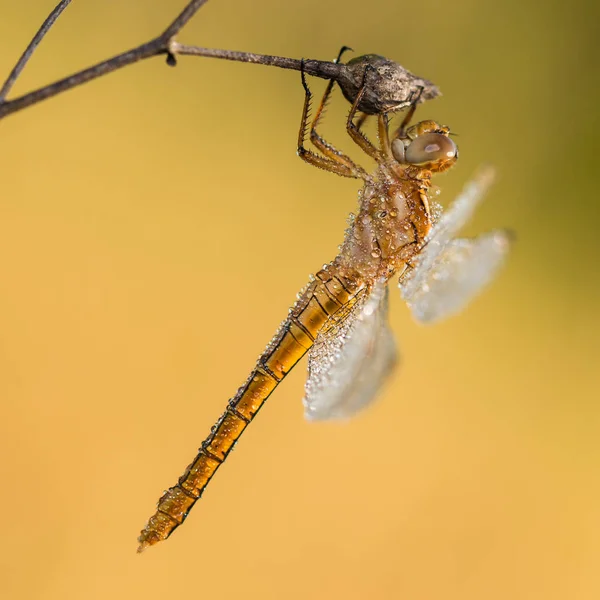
x=389, y=90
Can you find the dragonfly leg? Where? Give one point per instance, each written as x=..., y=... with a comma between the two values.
x=354, y=130
x=323, y=146
x=384, y=136
x=361, y=120
x=401, y=131
x=333, y=160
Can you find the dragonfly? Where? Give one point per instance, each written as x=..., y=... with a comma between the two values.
x=341, y=317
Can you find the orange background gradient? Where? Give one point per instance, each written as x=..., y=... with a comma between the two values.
x=155, y=225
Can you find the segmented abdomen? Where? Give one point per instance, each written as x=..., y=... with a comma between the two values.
x=322, y=298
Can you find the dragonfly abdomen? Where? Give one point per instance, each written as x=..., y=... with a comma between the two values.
x=321, y=299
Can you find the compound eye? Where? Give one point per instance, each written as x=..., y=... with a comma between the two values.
x=398, y=150
x=430, y=147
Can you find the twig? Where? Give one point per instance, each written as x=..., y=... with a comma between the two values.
x=37, y=38
x=319, y=68
x=159, y=45
x=390, y=88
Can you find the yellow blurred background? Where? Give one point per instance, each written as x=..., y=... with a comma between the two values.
x=155, y=225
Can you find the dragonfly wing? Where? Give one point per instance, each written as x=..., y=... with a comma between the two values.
x=351, y=357
x=444, y=231
x=449, y=271
x=459, y=273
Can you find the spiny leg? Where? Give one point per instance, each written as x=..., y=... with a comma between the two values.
x=361, y=120
x=384, y=136
x=326, y=95
x=354, y=131
x=322, y=145
x=328, y=163
x=401, y=131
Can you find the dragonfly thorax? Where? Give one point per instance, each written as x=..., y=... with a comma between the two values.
x=391, y=224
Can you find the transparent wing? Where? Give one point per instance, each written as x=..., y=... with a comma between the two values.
x=350, y=359
x=461, y=271
x=449, y=272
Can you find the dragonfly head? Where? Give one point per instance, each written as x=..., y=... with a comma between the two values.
x=427, y=145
